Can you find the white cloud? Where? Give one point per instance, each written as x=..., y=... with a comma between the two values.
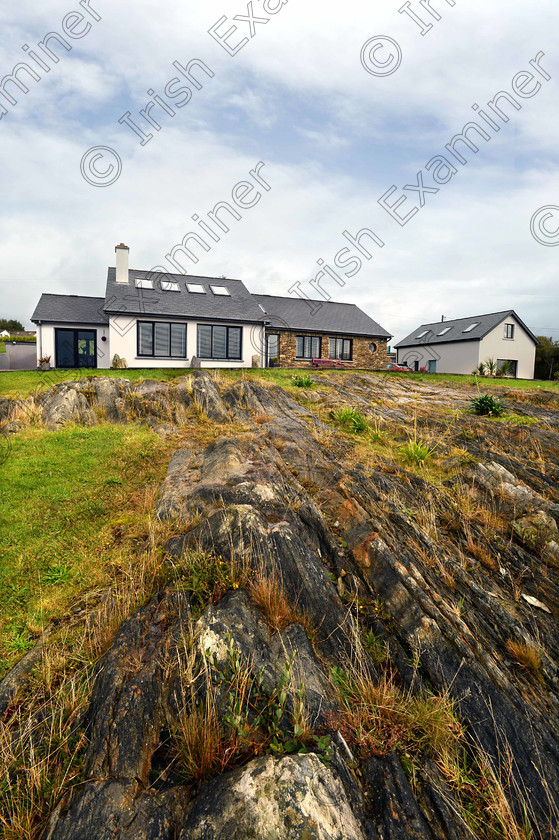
x=333, y=137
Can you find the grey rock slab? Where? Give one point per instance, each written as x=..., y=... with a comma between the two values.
x=64, y=405
x=292, y=798
x=207, y=396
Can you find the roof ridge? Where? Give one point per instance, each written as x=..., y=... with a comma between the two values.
x=465, y=318
x=303, y=300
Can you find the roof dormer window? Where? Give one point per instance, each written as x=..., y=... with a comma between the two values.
x=144, y=283
x=471, y=327
x=220, y=290
x=195, y=289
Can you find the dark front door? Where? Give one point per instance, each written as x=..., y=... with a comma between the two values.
x=76, y=348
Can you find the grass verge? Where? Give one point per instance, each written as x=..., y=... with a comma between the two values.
x=73, y=508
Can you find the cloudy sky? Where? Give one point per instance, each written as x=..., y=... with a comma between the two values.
x=339, y=116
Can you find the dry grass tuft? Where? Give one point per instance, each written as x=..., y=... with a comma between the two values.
x=267, y=593
x=378, y=716
x=262, y=418
x=527, y=656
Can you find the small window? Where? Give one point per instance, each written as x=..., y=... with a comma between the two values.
x=444, y=332
x=195, y=289
x=340, y=348
x=471, y=327
x=421, y=334
x=509, y=330
x=372, y=347
x=144, y=283
x=169, y=286
x=308, y=347
x=220, y=290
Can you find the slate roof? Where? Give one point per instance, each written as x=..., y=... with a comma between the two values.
x=70, y=309
x=239, y=306
x=289, y=313
x=294, y=313
x=485, y=323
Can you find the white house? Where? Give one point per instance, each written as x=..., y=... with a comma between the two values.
x=4, y=334
x=154, y=319
x=458, y=346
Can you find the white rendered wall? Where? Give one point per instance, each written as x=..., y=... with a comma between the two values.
x=520, y=348
x=454, y=357
x=124, y=339
x=45, y=342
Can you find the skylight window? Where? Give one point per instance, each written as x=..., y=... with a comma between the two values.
x=220, y=290
x=195, y=288
x=169, y=286
x=144, y=283
x=471, y=327
x=444, y=332
x=421, y=334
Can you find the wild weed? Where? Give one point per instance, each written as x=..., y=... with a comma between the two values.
x=349, y=419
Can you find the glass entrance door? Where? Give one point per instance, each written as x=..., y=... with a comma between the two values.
x=75, y=348
x=86, y=350
x=272, y=350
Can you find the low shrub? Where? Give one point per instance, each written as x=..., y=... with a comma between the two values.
x=350, y=419
x=416, y=451
x=486, y=405
x=302, y=380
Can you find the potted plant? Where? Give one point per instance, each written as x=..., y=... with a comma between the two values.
x=44, y=363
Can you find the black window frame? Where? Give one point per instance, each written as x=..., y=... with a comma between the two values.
x=153, y=354
x=342, y=356
x=227, y=357
x=509, y=328
x=308, y=339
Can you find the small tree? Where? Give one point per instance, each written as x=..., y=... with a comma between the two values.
x=11, y=325
x=547, y=357
x=490, y=366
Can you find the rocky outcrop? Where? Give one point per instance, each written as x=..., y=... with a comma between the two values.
x=323, y=561
x=64, y=404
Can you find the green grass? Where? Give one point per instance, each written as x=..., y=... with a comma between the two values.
x=485, y=381
x=2, y=347
x=23, y=383
x=72, y=503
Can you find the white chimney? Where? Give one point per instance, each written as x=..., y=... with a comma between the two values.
x=122, y=252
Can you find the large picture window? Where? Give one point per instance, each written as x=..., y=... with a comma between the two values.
x=217, y=342
x=161, y=340
x=308, y=347
x=341, y=348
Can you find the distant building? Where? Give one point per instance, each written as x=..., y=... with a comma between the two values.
x=458, y=346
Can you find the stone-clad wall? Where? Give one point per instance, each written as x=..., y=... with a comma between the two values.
x=363, y=358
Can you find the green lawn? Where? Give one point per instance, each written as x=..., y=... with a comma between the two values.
x=71, y=503
x=26, y=382
x=23, y=383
